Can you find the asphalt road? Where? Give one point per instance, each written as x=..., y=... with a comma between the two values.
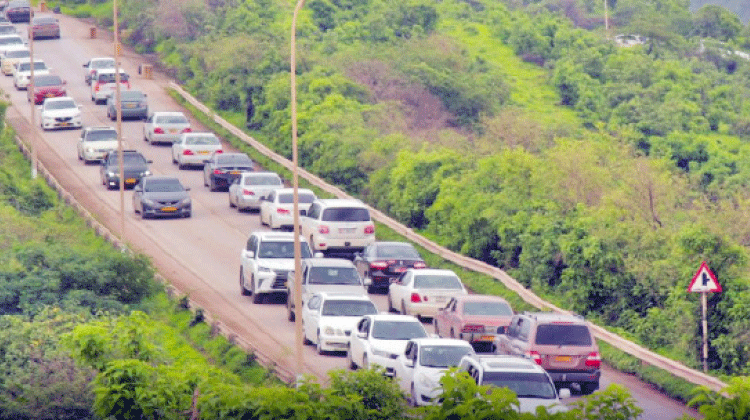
x=199, y=255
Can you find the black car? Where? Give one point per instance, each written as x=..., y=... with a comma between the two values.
x=223, y=168
x=18, y=11
x=381, y=262
x=161, y=196
x=135, y=167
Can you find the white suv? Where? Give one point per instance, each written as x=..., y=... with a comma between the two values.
x=338, y=226
x=266, y=261
x=103, y=84
x=531, y=383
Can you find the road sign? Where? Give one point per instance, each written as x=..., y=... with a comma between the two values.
x=704, y=281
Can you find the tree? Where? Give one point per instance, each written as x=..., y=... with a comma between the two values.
x=713, y=21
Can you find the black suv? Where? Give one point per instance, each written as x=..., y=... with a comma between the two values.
x=135, y=167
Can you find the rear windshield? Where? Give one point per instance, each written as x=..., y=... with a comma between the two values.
x=487, y=308
x=348, y=308
x=42, y=81
x=44, y=21
x=334, y=275
x=103, y=64
x=525, y=385
x=304, y=198
x=166, y=185
x=101, y=135
x=131, y=95
x=202, y=140
x=563, y=335
x=437, y=282
x=18, y=54
x=11, y=40
x=171, y=119
x=398, y=330
x=7, y=29
x=233, y=159
x=346, y=214
x=110, y=78
x=405, y=252
x=38, y=65
x=262, y=180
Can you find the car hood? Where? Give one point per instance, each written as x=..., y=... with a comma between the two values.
x=391, y=346
x=101, y=145
x=529, y=405
x=337, y=288
x=62, y=113
x=286, y=264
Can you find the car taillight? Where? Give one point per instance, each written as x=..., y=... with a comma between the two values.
x=96, y=87
x=219, y=172
x=187, y=152
x=187, y=130
x=248, y=192
x=473, y=328
x=369, y=230
x=158, y=130
x=415, y=298
x=378, y=265
x=282, y=211
x=323, y=229
x=419, y=264
x=593, y=360
x=535, y=356
x=219, y=151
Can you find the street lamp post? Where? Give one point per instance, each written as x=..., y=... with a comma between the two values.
x=295, y=184
x=118, y=108
x=30, y=88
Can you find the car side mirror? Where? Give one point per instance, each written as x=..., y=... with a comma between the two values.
x=319, y=255
x=187, y=188
x=564, y=393
x=362, y=334
x=149, y=161
x=137, y=188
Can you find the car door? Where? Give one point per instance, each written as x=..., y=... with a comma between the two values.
x=399, y=288
x=357, y=343
x=361, y=261
x=405, y=366
x=148, y=128
x=267, y=206
x=138, y=197
x=442, y=321
x=249, y=256
x=311, y=317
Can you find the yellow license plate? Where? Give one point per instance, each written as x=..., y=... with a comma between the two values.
x=235, y=172
x=168, y=209
x=563, y=359
x=50, y=95
x=487, y=338
x=203, y=152
x=174, y=131
x=130, y=180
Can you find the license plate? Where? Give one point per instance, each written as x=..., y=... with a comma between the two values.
x=130, y=180
x=235, y=172
x=129, y=105
x=487, y=338
x=347, y=230
x=563, y=359
x=173, y=131
x=50, y=95
x=65, y=124
x=203, y=152
x=168, y=209
x=440, y=299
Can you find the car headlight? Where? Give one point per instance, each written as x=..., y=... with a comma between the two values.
x=185, y=201
x=329, y=331
x=111, y=174
x=89, y=150
x=263, y=269
x=381, y=353
x=145, y=173
x=148, y=202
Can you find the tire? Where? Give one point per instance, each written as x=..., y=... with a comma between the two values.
x=319, y=347
x=79, y=156
x=435, y=326
x=365, y=362
x=244, y=291
x=144, y=216
x=180, y=165
x=145, y=138
x=289, y=310
x=306, y=341
x=212, y=185
x=588, y=388
x=390, y=304
x=403, y=308
x=349, y=359
x=231, y=204
x=259, y=298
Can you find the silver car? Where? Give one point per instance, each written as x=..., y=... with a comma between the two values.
x=248, y=191
x=165, y=127
x=194, y=149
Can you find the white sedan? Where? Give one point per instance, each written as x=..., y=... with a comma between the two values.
x=379, y=339
x=276, y=209
x=328, y=319
x=22, y=72
x=424, y=361
x=248, y=191
x=422, y=292
x=95, y=142
x=193, y=149
x=165, y=127
x=61, y=112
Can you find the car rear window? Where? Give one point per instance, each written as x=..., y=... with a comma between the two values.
x=202, y=140
x=233, y=159
x=38, y=65
x=304, y=198
x=171, y=119
x=11, y=40
x=398, y=330
x=346, y=214
x=436, y=282
x=333, y=275
x=487, y=308
x=43, y=81
x=18, y=54
x=131, y=95
x=262, y=180
x=110, y=78
x=398, y=252
x=563, y=335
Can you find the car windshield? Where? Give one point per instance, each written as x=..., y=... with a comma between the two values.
x=163, y=185
x=442, y=356
x=563, y=335
x=280, y=249
x=7, y=29
x=202, y=140
x=44, y=21
x=38, y=65
x=103, y=64
x=262, y=180
x=346, y=214
x=304, y=198
x=398, y=330
x=348, y=308
x=101, y=135
x=44, y=81
x=170, y=119
x=110, y=78
x=131, y=95
x=11, y=40
x=66, y=104
x=487, y=308
x=436, y=281
x=128, y=159
x=405, y=252
x=524, y=384
x=233, y=159
x=18, y=54
x=334, y=275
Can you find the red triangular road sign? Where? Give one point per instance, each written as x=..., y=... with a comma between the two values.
x=704, y=281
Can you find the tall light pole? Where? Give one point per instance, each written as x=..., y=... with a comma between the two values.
x=34, y=157
x=295, y=184
x=118, y=108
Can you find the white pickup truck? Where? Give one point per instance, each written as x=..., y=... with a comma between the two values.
x=324, y=275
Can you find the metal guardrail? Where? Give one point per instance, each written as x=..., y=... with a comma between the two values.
x=675, y=368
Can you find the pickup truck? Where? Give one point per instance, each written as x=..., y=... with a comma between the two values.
x=324, y=275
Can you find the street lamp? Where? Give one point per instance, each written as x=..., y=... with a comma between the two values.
x=295, y=184
x=118, y=107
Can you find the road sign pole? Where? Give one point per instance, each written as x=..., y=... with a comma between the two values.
x=704, y=303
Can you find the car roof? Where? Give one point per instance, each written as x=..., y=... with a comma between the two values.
x=343, y=296
x=160, y=178
x=394, y=317
x=556, y=317
x=290, y=190
x=59, y=99
x=328, y=262
x=102, y=127
x=432, y=271
x=340, y=202
x=392, y=243
x=277, y=236
x=169, y=113
x=506, y=363
x=258, y=173
x=479, y=298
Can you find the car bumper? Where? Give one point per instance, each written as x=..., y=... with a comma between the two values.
x=94, y=154
x=53, y=124
x=270, y=282
x=577, y=377
x=174, y=211
x=334, y=342
x=164, y=138
x=387, y=363
x=114, y=181
x=479, y=337
x=224, y=180
x=324, y=243
x=134, y=112
x=194, y=159
x=426, y=396
x=245, y=202
x=427, y=310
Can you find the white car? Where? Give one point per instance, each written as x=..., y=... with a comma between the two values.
x=328, y=319
x=10, y=57
x=95, y=142
x=422, y=292
x=165, y=127
x=276, y=209
x=531, y=383
x=104, y=84
x=265, y=263
x=95, y=64
x=10, y=41
x=22, y=72
x=338, y=226
x=379, y=339
x=423, y=363
x=193, y=149
x=248, y=191
x=61, y=112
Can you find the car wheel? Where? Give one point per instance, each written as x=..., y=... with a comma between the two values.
x=257, y=297
x=173, y=159
x=306, y=341
x=371, y=288
x=79, y=155
x=350, y=359
x=231, y=203
x=243, y=290
x=212, y=185
x=319, y=346
x=403, y=308
x=412, y=400
x=390, y=304
x=180, y=165
x=143, y=215
x=145, y=138
x=263, y=220
x=589, y=387
x=289, y=310
x=365, y=362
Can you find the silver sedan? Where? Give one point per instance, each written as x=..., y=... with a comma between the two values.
x=165, y=127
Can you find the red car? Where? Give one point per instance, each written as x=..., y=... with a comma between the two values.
x=478, y=319
x=46, y=86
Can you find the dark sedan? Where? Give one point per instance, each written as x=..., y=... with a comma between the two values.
x=18, y=11
x=382, y=262
x=161, y=196
x=44, y=27
x=133, y=105
x=135, y=167
x=46, y=86
x=223, y=168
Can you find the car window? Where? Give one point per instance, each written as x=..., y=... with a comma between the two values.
x=280, y=249
x=346, y=214
x=171, y=119
x=333, y=275
x=262, y=180
x=442, y=356
x=487, y=308
x=202, y=140
x=110, y=78
x=101, y=135
x=288, y=198
x=398, y=251
x=131, y=95
x=232, y=159
x=44, y=81
x=398, y=330
x=10, y=40
x=102, y=64
x=59, y=104
x=167, y=185
x=132, y=159
x=525, y=385
x=314, y=211
x=524, y=327
x=348, y=308
x=563, y=335
x=436, y=281
x=38, y=65
x=18, y=54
